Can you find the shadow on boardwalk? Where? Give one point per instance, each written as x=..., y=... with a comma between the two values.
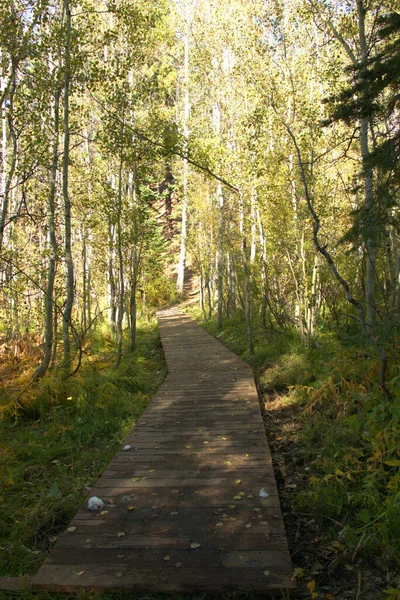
x=192, y=505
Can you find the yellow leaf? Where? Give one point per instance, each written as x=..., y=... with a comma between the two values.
x=311, y=587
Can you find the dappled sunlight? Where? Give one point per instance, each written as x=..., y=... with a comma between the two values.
x=192, y=484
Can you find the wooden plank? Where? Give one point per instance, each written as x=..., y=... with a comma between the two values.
x=198, y=472
x=68, y=578
x=215, y=558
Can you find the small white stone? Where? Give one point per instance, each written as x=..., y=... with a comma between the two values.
x=94, y=503
x=263, y=493
x=127, y=447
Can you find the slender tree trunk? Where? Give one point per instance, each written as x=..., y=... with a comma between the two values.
x=220, y=256
x=8, y=172
x=254, y=208
x=209, y=296
x=120, y=266
x=67, y=203
x=89, y=280
x=246, y=275
x=264, y=274
x=182, y=258
x=202, y=300
x=368, y=185
x=135, y=258
x=84, y=277
x=51, y=208
x=55, y=340
x=371, y=241
x=112, y=316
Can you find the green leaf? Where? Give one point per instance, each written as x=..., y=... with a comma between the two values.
x=392, y=463
x=54, y=492
x=353, y=423
x=364, y=516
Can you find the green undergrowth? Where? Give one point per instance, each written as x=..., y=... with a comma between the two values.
x=91, y=595
x=336, y=441
x=62, y=440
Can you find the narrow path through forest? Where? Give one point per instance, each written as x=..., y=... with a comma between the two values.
x=192, y=504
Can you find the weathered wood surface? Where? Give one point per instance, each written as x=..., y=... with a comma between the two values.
x=183, y=510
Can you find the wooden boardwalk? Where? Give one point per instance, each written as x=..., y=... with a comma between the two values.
x=193, y=504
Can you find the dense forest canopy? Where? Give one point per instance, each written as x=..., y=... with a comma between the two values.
x=267, y=130
x=252, y=146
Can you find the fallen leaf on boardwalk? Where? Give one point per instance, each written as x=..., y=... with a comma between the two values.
x=237, y=497
x=71, y=528
x=266, y=573
x=120, y=534
x=131, y=507
x=227, y=462
x=119, y=574
x=135, y=479
x=248, y=525
x=224, y=438
x=250, y=496
x=218, y=524
x=241, y=494
x=256, y=509
x=151, y=470
x=238, y=481
x=188, y=446
x=104, y=512
x=194, y=545
x=178, y=565
x=206, y=442
x=154, y=516
x=79, y=573
x=232, y=506
x=120, y=556
x=167, y=558
x=174, y=512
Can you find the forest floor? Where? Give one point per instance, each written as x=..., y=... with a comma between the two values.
x=63, y=439
x=334, y=446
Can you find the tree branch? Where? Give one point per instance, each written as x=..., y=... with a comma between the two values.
x=322, y=250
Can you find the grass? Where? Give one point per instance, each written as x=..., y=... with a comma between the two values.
x=336, y=448
x=60, y=443
x=334, y=439
x=63, y=440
